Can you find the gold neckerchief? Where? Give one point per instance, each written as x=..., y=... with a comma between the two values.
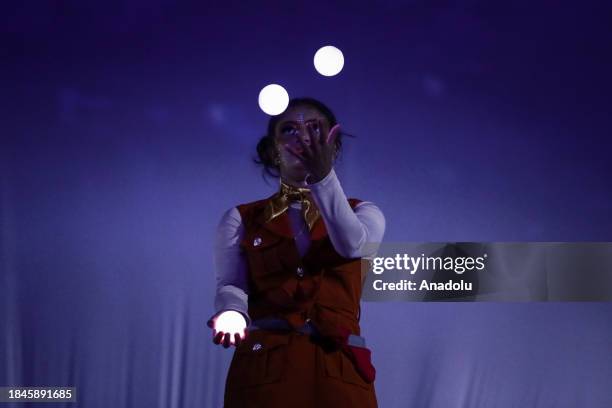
x=280, y=201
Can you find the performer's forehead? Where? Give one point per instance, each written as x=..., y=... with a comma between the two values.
x=301, y=114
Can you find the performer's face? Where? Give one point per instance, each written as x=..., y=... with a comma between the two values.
x=292, y=124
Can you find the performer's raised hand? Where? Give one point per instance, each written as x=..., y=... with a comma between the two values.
x=317, y=154
x=229, y=328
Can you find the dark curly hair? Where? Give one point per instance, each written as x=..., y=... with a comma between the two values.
x=265, y=146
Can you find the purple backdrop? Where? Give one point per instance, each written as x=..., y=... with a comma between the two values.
x=128, y=128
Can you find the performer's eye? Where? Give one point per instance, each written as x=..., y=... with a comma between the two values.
x=289, y=130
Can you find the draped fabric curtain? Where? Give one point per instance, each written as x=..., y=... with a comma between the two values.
x=128, y=128
x=116, y=307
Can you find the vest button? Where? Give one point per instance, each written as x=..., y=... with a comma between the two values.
x=257, y=241
x=300, y=271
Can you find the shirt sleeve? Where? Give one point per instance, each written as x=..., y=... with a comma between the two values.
x=231, y=268
x=354, y=233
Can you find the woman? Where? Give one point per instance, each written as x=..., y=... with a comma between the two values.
x=289, y=275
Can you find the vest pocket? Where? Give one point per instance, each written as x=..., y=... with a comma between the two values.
x=261, y=359
x=337, y=365
x=350, y=374
x=263, y=254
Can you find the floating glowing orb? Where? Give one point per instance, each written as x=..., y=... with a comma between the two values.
x=273, y=99
x=328, y=60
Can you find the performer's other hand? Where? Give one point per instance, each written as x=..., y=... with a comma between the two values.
x=229, y=328
x=316, y=154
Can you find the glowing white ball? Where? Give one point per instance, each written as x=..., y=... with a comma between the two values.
x=328, y=60
x=231, y=322
x=273, y=99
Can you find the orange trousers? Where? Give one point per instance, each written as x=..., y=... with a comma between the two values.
x=273, y=369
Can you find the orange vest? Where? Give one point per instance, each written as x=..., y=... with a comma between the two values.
x=321, y=286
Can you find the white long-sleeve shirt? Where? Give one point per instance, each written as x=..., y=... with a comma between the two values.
x=354, y=233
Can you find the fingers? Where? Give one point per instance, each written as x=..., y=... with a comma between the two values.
x=239, y=338
x=225, y=339
x=321, y=135
x=306, y=146
x=217, y=337
x=316, y=138
x=294, y=152
x=333, y=133
x=222, y=338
